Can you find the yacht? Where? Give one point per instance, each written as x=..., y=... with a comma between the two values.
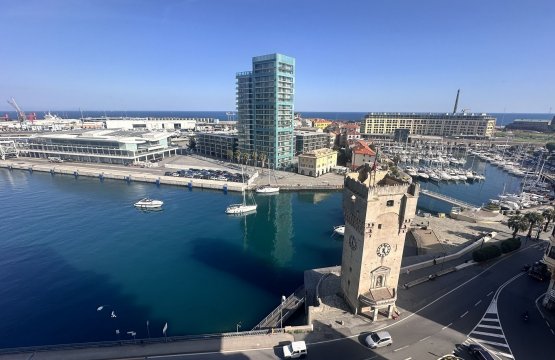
x=339, y=230
x=268, y=189
x=242, y=208
x=147, y=203
x=434, y=177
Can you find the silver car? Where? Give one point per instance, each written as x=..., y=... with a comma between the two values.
x=378, y=339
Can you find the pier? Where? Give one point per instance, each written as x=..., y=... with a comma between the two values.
x=450, y=200
x=284, y=311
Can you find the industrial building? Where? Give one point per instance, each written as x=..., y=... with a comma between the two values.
x=532, y=125
x=152, y=123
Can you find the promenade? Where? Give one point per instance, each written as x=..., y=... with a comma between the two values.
x=155, y=175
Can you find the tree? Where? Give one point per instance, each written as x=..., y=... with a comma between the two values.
x=238, y=155
x=245, y=157
x=262, y=157
x=550, y=146
x=230, y=155
x=254, y=158
x=517, y=223
x=533, y=219
x=548, y=215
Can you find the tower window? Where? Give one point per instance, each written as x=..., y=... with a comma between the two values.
x=379, y=226
x=390, y=203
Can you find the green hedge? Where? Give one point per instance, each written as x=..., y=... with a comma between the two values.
x=486, y=253
x=510, y=245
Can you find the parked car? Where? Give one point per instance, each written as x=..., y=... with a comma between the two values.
x=479, y=352
x=378, y=339
x=297, y=349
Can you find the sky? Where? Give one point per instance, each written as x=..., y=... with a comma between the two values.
x=379, y=55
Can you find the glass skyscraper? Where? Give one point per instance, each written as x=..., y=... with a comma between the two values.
x=265, y=109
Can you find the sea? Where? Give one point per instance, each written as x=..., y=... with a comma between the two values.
x=502, y=118
x=69, y=246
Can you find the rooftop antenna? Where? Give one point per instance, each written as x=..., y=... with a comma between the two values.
x=456, y=102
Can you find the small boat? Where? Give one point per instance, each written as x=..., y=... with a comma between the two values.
x=339, y=230
x=242, y=208
x=147, y=203
x=268, y=189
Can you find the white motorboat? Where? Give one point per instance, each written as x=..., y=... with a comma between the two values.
x=242, y=208
x=339, y=230
x=147, y=203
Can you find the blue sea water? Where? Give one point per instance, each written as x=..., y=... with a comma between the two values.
x=68, y=246
x=502, y=118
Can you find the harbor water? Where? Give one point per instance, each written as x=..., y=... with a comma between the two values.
x=69, y=246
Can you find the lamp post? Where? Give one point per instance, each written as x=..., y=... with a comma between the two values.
x=237, y=326
x=283, y=299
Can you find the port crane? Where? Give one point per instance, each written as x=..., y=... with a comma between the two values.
x=20, y=114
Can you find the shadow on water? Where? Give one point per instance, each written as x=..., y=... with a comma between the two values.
x=43, y=280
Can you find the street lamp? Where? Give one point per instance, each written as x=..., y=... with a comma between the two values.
x=238, y=325
x=283, y=299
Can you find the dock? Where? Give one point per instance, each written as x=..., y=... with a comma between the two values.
x=450, y=200
x=284, y=311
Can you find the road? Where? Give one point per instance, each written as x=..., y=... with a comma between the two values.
x=478, y=304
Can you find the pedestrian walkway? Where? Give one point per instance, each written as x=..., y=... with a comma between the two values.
x=489, y=332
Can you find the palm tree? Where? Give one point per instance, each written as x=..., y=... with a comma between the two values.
x=517, y=223
x=533, y=219
x=549, y=215
x=254, y=157
x=238, y=155
x=262, y=157
x=245, y=157
x=229, y=154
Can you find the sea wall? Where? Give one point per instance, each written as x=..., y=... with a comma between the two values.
x=110, y=173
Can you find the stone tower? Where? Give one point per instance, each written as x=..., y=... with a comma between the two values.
x=378, y=211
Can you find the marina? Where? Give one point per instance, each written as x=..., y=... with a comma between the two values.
x=152, y=266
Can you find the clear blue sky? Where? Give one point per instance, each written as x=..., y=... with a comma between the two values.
x=387, y=55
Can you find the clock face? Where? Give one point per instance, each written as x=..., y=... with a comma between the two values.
x=383, y=249
x=353, y=243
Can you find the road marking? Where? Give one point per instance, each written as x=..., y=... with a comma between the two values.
x=479, y=301
x=409, y=358
x=552, y=331
x=495, y=343
x=491, y=292
x=370, y=358
x=504, y=354
x=463, y=315
x=401, y=348
x=446, y=326
x=488, y=334
x=426, y=338
x=490, y=326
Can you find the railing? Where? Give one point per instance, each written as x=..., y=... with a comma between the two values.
x=277, y=316
x=449, y=199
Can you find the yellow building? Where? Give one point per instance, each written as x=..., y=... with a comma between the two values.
x=317, y=162
x=321, y=123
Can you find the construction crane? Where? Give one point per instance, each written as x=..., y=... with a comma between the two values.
x=20, y=114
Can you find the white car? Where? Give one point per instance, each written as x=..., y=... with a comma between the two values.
x=297, y=349
x=378, y=339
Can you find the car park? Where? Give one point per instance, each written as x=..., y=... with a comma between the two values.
x=378, y=339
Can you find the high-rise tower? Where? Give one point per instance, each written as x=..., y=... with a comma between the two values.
x=378, y=211
x=265, y=109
